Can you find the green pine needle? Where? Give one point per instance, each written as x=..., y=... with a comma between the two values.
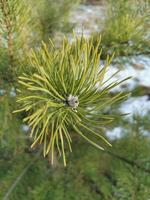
x=65, y=91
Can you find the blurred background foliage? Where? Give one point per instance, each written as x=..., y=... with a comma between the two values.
x=53, y=16
x=121, y=172
x=126, y=28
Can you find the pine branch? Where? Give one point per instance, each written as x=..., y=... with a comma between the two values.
x=16, y=182
x=66, y=89
x=129, y=162
x=93, y=186
x=6, y=13
x=17, y=32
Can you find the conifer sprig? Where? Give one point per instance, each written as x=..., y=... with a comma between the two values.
x=16, y=32
x=66, y=90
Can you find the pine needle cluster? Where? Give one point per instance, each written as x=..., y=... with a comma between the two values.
x=66, y=90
